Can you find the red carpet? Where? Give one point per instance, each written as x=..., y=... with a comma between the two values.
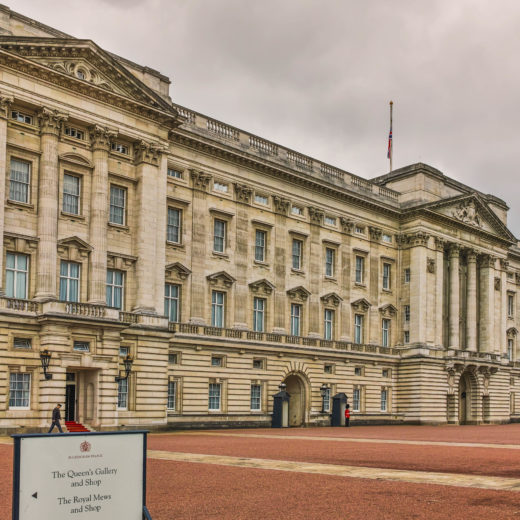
x=74, y=427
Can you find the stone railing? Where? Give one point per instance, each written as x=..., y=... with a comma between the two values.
x=17, y=304
x=284, y=156
x=85, y=309
x=128, y=317
x=271, y=337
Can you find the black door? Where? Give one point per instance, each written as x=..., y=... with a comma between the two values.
x=70, y=403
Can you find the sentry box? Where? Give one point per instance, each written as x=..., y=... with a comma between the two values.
x=97, y=475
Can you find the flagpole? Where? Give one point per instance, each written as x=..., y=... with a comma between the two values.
x=391, y=150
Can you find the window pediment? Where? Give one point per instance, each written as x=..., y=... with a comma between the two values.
x=388, y=310
x=120, y=261
x=21, y=243
x=76, y=160
x=511, y=332
x=262, y=286
x=331, y=299
x=73, y=248
x=298, y=293
x=177, y=270
x=361, y=305
x=221, y=279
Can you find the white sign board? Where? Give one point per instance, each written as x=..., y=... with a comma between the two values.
x=99, y=476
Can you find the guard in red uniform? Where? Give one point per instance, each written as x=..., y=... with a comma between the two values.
x=347, y=415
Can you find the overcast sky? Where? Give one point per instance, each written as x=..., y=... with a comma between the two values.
x=317, y=75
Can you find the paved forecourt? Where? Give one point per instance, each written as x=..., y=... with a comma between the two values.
x=365, y=472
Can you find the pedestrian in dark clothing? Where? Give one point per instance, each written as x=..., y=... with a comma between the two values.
x=347, y=415
x=56, y=418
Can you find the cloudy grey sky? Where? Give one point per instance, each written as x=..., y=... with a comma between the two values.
x=317, y=75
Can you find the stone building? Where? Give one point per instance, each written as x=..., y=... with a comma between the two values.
x=225, y=264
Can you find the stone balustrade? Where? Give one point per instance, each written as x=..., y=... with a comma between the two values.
x=17, y=304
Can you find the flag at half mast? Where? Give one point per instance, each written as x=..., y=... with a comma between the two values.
x=390, y=139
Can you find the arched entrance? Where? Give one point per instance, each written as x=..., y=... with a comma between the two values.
x=296, y=390
x=466, y=393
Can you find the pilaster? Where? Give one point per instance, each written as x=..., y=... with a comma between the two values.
x=316, y=274
x=454, y=297
x=418, y=286
x=471, y=312
x=487, y=303
x=440, y=244
x=281, y=208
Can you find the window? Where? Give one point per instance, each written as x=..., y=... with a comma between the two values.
x=510, y=305
x=328, y=327
x=358, y=328
x=216, y=361
x=117, y=205
x=172, y=394
x=173, y=230
x=217, y=309
x=176, y=174
x=74, y=132
x=296, y=210
x=81, y=346
x=173, y=359
x=71, y=189
x=120, y=148
x=297, y=248
x=19, y=390
x=385, y=333
x=330, y=221
x=385, y=372
x=360, y=269
x=214, y=396
x=259, y=314
x=406, y=313
x=22, y=343
x=358, y=371
x=259, y=364
x=356, y=399
x=69, y=281
x=124, y=351
x=21, y=117
x=260, y=239
x=360, y=230
x=219, y=235
x=326, y=401
x=19, y=181
x=171, y=301
x=384, y=399
x=328, y=369
x=219, y=186
x=256, y=397
x=387, y=269
x=407, y=275
x=329, y=261
x=261, y=199
x=115, y=288
x=296, y=313
x=407, y=336
x=387, y=238
x=510, y=344
x=122, y=394
x=16, y=275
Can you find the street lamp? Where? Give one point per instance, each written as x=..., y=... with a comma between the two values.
x=128, y=367
x=45, y=358
x=282, y=387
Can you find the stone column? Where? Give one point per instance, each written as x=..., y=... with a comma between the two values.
x=99, y=204
x=454, y=303
x=147, y=159
x=471, y=299
x=281, y=208
x=48, y=197
x=315, y=272
x=373, y=325
x=501, y=347
x=487, y=303
x=345, y=280
x=5, y=104
x=418, y=286
x=161, y=208
x=201, y=228
x=439, y=292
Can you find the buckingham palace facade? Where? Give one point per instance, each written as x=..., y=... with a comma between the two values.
x=173, y=271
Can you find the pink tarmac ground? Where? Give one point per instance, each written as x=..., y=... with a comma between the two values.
x=185, y=490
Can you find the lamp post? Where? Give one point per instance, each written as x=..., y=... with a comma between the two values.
x=323, y=392
x=282, y=387
x=45, y=358
x=128, y=361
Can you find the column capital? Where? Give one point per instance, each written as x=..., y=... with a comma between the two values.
x=243, y=193
x=6, y=101
x=281, y=205
x=100, y=137
x=420, y=238
x=504, y=264
x=347, y=225
x=316, y=215
x=200, y=180
x=471, y=256
x=148, y=152
x=375, y=233
x=440, y=243
x=51, y=121
x=487, y=261
x=454, y=249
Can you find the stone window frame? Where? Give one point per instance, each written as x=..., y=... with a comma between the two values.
x=389, y=332
x=362, y=398
x=223, y=382
x=331, y=366
x=364, y=255
x=86, y=338
x=258, y=225
x=25, y=113
x=263, y=361
x=512, y=335
x=303, y=238
x=334, y=327
x=23, y=334
x=261, y=384
x=407, y=275
x=384, y=260
x=81, y=205
x=298, y=296
x=33, y=159
x=360, y=369
x=221, y=357
x=334, y=247
x=406, y=337
x=125, y=264
x=261, y=204
x=388, y=391
x=217, y=192
x=178, y=396
x=511, y=304
x=175, y=207
x=178, y=168
x=178, y=355
x=32, y=372
x=21, y=244
x=177, y=274
x=126, y=208
x=226, y=217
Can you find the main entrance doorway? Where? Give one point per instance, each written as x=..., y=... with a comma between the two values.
x=465, y=399
x=296, y=390
x=70, y=397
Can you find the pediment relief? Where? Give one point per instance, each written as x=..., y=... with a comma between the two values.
x=331, y=299
x=298, y=293
x=73, y=248
x=221, y=279
x=262, y=286
x=178, y=271
x=388, y=310
x=361, y=305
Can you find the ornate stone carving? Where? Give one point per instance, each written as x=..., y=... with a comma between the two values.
x=504, y=264
x=262, y=286
x=200, y=180
x=298, y=293
x=120, y=261
x=467, y=213
x=497, y=284
x=361, y=305
x=146, y=152
x=440, y=243
x=5, y=105
x=401, y=240
x=20, y=243
x=51, y=121
x=388, y=310
x=454, y=250
x=347, y=225
x=375, y=233
x=100, y=137
x=471, y=256
x=430, y=265
x=418, y=239
x=281, y=205
x=73, y=248
x=487, y=261
x=511, y=332
x=243, y=193
x=316, y=215
x=221, y=278
x=331, y=299
x=451, y=373
x=177, y=269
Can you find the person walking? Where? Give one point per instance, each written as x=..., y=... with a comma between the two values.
x=347, y=415
x=56, y=418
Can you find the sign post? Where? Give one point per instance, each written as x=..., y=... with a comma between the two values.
x=97, y=475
